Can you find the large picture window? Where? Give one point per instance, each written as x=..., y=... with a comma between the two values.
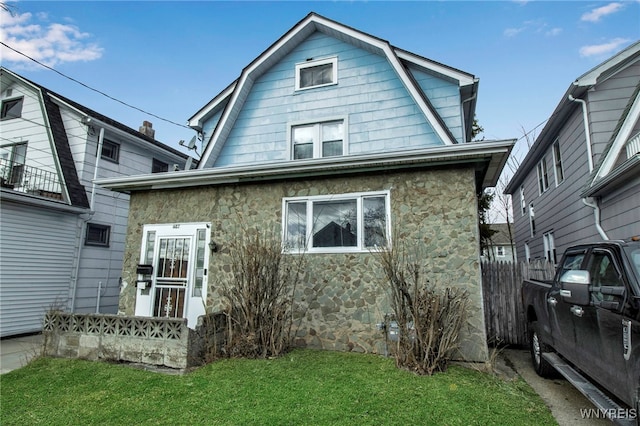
x=348, y=222
x=316, y=140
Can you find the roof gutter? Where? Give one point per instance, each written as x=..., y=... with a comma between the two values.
x=449, y=154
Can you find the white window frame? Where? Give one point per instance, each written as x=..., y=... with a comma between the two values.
x=557, y=163
x=314, y=63
x=532, y=220
x=358, y=197
x=543, y=176
x=500, y=252
x=523, y=201
x=317, y=142
x=549, y=247
x=527, y=252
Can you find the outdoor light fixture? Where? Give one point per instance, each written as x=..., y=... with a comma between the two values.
x=213, y=246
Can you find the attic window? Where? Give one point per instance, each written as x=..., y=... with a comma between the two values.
x=310, y=74
x=11, y=108
x=110, y=151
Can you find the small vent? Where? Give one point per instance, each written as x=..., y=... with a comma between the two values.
x=8, y=93
x=633, y=146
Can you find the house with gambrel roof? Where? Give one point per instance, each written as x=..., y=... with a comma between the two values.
x=62, y=237
x=329, y=131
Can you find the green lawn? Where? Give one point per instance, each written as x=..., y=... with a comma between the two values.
x=302, y=387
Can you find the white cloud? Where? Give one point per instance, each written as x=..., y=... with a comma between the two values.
x=49, y=43
x=553, y=32
x=604, y=49
x=596, y=14
x=512, y=32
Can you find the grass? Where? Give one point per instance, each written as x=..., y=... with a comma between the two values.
x=303, y=387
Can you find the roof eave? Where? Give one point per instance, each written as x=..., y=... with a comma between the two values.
x=492, y=153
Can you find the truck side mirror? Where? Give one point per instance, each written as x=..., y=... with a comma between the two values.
x=574, y=287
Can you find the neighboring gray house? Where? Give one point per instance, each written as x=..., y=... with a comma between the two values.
x=332, y=137
x=501, y=246
x=580, y=181
x=61, y=237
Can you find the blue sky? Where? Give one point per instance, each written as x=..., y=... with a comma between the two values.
x=170, y=58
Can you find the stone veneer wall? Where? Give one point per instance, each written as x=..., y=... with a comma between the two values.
x=343, y=296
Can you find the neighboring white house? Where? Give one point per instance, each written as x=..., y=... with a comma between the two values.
x=61, y=237
x=501, y=245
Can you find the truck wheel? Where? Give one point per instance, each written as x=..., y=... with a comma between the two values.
x=540, y=365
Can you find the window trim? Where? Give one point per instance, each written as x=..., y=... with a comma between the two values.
x=4, y=107
x=543, y=176
x=532, y=220
x=117, y=151
x=549, y=247
x=314, y=63
x=317, y=145
x=500, y=251
x=523, y=201
x=105, y=231
x=155, y=162
x=358, y=197
x=557, y=162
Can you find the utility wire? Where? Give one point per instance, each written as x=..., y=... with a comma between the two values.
x=91, y=88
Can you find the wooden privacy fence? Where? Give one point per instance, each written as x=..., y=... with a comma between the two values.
x=504, y=315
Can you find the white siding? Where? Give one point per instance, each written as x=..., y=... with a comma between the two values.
x=37, y=251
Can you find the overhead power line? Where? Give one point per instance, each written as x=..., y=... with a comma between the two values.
x=91, y=88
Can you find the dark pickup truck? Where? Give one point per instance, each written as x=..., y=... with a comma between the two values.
x=585, y=324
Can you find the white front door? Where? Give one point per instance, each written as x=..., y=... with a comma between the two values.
x=179, y=257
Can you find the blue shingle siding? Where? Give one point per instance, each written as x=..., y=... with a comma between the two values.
x=445, y=98
x=381, y=113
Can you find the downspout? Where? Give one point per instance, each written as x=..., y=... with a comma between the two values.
x=590, y=202
x=86, y=121
x=587, y=134
x=596, y=215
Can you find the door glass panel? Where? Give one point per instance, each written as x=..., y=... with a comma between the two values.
x=171, y=276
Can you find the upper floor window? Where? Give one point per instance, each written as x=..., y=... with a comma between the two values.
x=543, y=176
x=97, y=235
x=317, y=140
x=12, y=160
x=110, y=151
x=523, y=202
x=11, y=108
x=500, y=251
x=557, y=161
x=318, y=73
x=158, y=166
x=336, y=223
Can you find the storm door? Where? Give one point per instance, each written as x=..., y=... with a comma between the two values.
x=171, y=277
x=178, y=256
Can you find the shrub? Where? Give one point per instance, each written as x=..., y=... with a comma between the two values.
x=259, y=295
x=429, y=317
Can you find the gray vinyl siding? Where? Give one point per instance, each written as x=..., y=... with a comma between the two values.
x=561, y=209
x=606, y=105
x=37, y=252
x=621, y=211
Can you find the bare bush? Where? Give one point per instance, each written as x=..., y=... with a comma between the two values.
x=429, y=318
x=260, y=295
